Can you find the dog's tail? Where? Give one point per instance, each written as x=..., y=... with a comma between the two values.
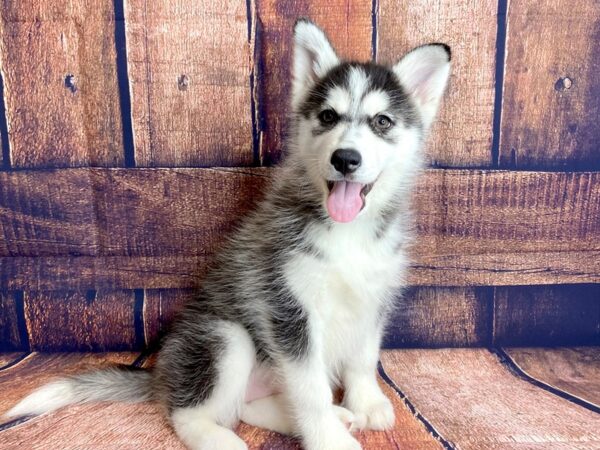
x=120, y=383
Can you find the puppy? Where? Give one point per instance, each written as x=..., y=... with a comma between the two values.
x=297, y=301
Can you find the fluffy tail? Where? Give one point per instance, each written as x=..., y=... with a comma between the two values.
x=120, y=383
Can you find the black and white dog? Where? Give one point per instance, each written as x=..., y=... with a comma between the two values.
x=298, y=299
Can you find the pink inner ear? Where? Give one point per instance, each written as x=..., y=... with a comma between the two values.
x=421, y=79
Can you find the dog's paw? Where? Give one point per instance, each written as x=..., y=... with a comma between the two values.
x=345, y=415
x=334, y=435
x=375, y=413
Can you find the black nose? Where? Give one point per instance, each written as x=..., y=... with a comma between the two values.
x=346, y=160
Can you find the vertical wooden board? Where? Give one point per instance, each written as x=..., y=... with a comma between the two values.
x=347, y=23
x=551, y=104
x=58, y=60
x=440, y=317
x=160, y=307
x=10, y=334
x=189, y=67
x=81, y=321
x=462, y=134
x=547, y=315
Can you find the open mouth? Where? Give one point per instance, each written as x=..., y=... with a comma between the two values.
x=346, y=199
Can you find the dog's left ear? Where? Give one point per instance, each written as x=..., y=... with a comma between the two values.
x=313, y=58
x=424, y=73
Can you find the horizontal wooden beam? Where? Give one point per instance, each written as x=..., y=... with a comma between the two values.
x=157, y=228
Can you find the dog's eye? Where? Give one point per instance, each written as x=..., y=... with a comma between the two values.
x=328, y=116
x=383, y=122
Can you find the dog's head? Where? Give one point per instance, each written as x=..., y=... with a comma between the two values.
x=358, y=127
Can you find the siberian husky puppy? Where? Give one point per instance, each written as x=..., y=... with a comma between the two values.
x=297, y=301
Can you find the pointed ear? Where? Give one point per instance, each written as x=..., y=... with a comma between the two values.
x=313, y=58
x=424, y=72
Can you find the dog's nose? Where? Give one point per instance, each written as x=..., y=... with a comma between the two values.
x=346, y=160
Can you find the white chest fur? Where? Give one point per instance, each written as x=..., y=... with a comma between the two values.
x=344, y=287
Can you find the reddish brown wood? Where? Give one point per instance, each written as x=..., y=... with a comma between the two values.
x=574, y=370
x=346, y=22
x=38, y=368
x=10, y=335
x=473, y=227
x=462, y=135
x=551, y=85
x=9, y=358
x=160, y=307
x=440, y=317
x=96, y=321
x=60, y=83
x=142, y=212
x=189, y=68
x=476, y=403
x=547, y=315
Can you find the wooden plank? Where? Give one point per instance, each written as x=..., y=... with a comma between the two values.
x=473, y=227
x=484, y=405
x=547, y=315
x=9, y=358
x=551, y=86
x=160, y=306
x=60, y=83
x=92, y=321
x=141, y=212
x=189, y=67
x=440, y=317
x=38, y=368
x=347, y=23
x=10, y=334
x=462, y=135
x=575, y=370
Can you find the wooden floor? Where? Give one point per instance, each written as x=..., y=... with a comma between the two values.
x=518, y=398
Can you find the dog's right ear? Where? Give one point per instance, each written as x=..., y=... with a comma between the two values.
x=313, y=58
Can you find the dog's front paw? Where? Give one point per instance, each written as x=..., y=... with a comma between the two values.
x=372, y=412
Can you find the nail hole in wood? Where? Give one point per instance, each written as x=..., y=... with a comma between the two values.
x=562, y=84
x=71, y=83
x=183, y=82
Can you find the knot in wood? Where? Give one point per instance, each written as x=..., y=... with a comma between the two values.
x=183, y=82
x=562, y=84
x=71, y=83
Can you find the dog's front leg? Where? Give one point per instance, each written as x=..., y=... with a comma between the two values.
x=363, y=396
x=309, y=395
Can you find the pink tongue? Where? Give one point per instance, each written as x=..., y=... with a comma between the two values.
x=344, y=201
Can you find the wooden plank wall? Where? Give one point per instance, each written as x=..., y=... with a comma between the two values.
x=153, y=94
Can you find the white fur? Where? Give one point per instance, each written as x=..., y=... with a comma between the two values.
x=48, y=398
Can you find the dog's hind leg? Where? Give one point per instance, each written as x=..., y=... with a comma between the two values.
x=272, y=413
x=206, y=381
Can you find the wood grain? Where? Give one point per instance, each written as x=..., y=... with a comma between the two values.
x=440, y=317
x=547, y=315
x=473, y=227
x=81, y=321
x=10, y=335
x=189, y=68
x=462, y=134
x=39, y=368
x=551, y=86
x=160, y=307
x=8, y=358
x=60, y=83
x=575, y=370
x=142, y=212
x=347, y=23
x=473, y=401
